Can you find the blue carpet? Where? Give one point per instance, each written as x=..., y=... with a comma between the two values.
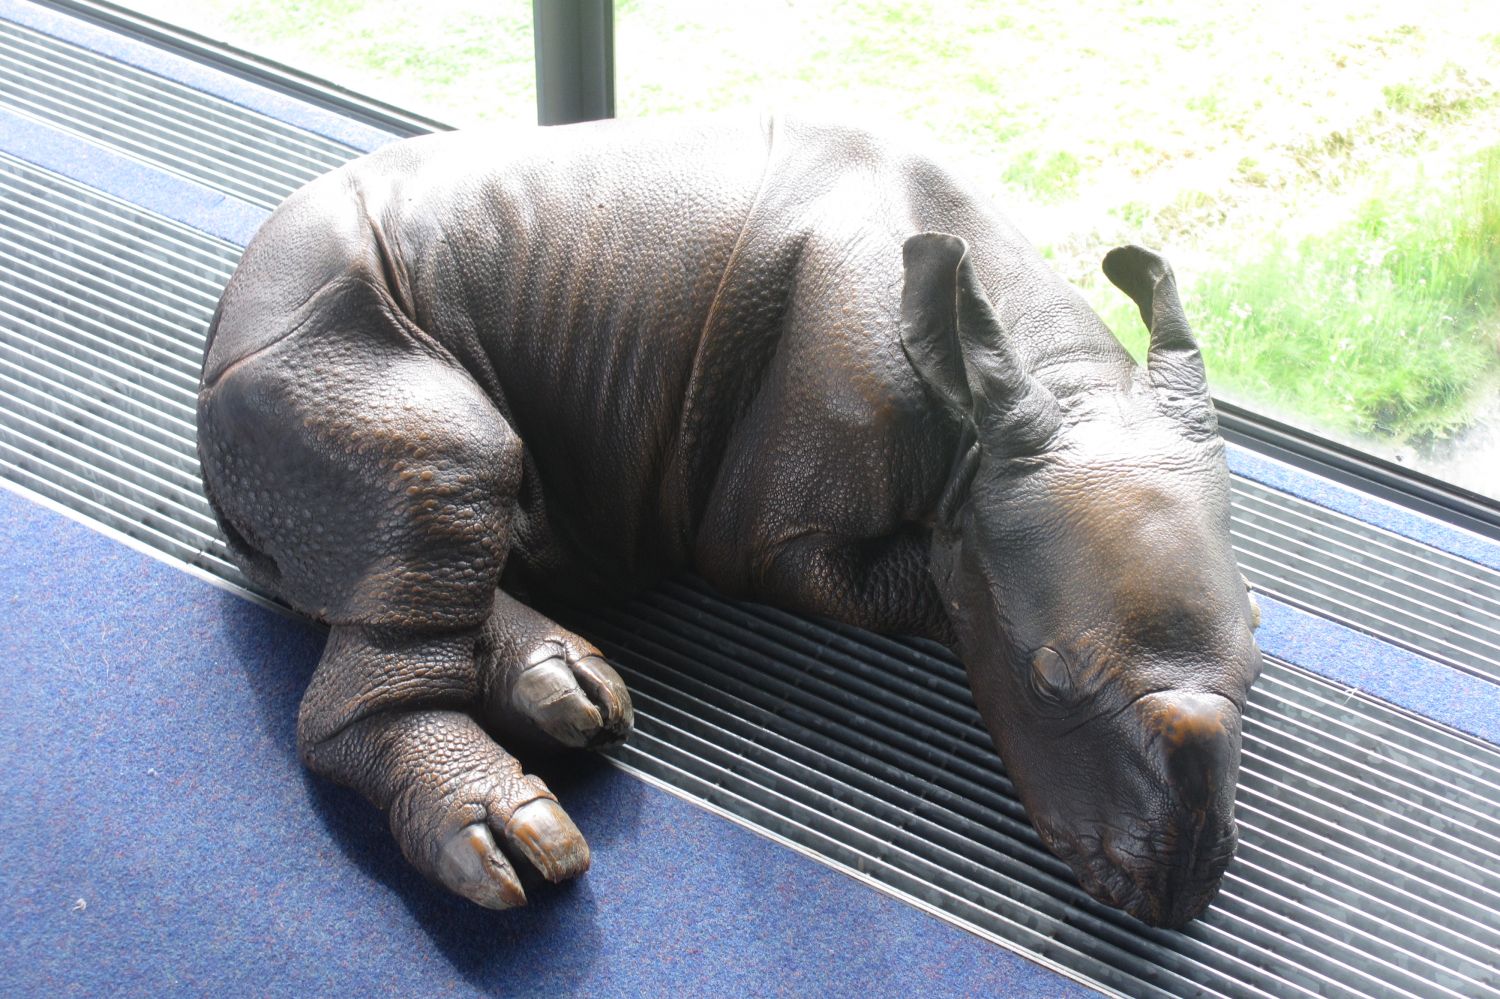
x=1360, y=662
x=107, y=172
x=160, y=838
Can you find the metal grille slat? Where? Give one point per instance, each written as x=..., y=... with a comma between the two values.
x=115, y=510
x=73, y=356
x=934, y=818
x=1464, y=921
x=879, y=838
x=27, y=437
x=1419, y=805
x=42, y=101
x=192, y=134
x=173, y=468
x=142, y=282
x=194, y=283
x=1459, y=593
x=105, y=454
x=140, y=95
x=1449, y=755
x=1252, y=501
x=144, y=416
x=285, y=141
x=143, y=235
x=1463, y=758
x=826, y=778
x=1059, y=881
x=1388, y=835
x=40, y=394
x=1299, y=581
x=914, y=762
x=1369, y=578
x=85, y=286
x=639, y=634
x=76, y=326
x=1450, y=621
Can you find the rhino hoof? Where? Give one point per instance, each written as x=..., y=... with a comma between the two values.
x=471, y=864
x=542, y=832
x=580, y=704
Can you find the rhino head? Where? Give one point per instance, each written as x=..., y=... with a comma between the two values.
x=1082, y=552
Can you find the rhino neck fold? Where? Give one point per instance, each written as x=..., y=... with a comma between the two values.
x=738, y=339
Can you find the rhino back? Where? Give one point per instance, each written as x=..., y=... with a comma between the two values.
x=661, y=311
x=573, y=272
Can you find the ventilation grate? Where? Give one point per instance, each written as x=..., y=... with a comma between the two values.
x=1423, y=599
x=159, y=122
x=104, y=308
x=1369, y=837
x=1370, y=850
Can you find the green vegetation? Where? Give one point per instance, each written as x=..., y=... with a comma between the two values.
x=1388, y=324
x=1048, y=178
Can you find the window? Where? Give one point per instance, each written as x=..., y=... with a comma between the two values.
x=1324, y=179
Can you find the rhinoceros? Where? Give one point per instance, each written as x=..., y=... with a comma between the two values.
x=802, y=362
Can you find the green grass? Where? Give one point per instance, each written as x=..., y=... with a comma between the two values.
x=1388, y=324
x=1048, y=178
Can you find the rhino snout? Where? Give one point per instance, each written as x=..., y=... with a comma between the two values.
x=1148, y=874
x=1193, y=748
x=1193, y=743
x=1158, y=845
x=1171, y=887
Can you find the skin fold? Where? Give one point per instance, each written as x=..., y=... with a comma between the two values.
x=803, y=363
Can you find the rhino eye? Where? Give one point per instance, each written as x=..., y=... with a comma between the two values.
x=1050, y=675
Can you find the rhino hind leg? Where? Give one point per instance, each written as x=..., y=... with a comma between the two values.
x=545, y=687
x=373, y=483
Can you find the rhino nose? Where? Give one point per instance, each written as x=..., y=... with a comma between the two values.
x=1195, y=741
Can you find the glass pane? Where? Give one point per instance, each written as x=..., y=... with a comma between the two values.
x=1325, y=178
x=459, y=62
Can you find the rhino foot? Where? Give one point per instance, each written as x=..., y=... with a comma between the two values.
x=470, y=862
x=577, y=701
x=545, y=687
x=460, y=806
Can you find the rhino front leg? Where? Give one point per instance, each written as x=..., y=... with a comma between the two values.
x=544, y=687
x=458, y=803
x=366, y=478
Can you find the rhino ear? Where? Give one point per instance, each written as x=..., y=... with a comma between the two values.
x=953, y=338
x=1173, y=362
x=929, y=316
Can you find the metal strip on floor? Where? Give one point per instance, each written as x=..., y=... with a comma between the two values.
x=159, y=122
x=1370, y=840
x=1433, y=603
x=1369, y=837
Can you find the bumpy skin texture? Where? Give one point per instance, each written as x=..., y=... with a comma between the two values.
x=812, y=368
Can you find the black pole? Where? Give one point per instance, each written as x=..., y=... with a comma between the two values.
x=575, y=60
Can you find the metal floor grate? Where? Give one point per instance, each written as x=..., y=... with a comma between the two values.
x=1436, y=604
x=1371, y=851
x=159, y=122
x=1369, y=837
x=104, y=308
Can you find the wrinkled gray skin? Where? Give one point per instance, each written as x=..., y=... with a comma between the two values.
x=808, y=366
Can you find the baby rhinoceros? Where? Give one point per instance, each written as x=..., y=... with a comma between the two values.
x=806, y=365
